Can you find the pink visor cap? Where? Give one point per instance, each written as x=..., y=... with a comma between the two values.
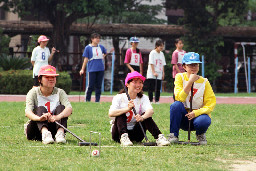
x=132, y=75
x=42, y=38
x=47, y=70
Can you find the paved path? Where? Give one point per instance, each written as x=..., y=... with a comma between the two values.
x=163, y=99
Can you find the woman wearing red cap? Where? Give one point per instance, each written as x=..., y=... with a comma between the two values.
x=41, y=56
x=45, y=105
x=126, y=128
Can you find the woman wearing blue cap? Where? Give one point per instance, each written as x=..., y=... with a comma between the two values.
x=203, y=101
x=133, y=58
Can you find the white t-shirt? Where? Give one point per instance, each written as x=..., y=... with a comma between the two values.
x=158, y=60
x=40, y=56
x=141, y=105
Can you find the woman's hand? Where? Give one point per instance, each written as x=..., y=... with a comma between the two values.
x=155, y=74
x=139, y=118
x=131, y=104
x=193, y=77
x=44, y=117
x=190, y=115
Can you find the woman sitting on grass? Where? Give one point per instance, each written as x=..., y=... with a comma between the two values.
x=45, y=105
x=126, y=127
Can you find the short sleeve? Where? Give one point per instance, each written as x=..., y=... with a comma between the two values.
x=64, y=99
x=86, y=53
x=164, y=63
x=33, y=57
x=151, y=58
x=128, y=55
x=146, y=103
x=115, y=103
x=141, y=60
x=104, y=50
x=30, y=104
x=174, y=58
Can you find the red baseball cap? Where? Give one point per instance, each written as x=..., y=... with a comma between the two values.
x=132, y=75
x=47, y=70
x=42, y=38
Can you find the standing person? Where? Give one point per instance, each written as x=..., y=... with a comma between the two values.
x=94, y=54
x=126, y=127
x=41, y=56
x=45, y=105
x=133, y=58
x=203, y=102
x=155, y=71
x=177, y=56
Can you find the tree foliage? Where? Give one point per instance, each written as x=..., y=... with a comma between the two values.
x=201, y=18
x=61, y=14
x=4, y=43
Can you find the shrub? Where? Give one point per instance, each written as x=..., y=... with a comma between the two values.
x=20, y=81
x=15, y=63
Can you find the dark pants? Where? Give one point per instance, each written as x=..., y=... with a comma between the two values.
x=120, y=127
x=151, y=88
x=95, y=80
x=178, y=120
x=36, y=82
x=136, y=68
x=34, y=127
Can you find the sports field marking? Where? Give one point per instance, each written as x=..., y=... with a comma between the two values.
x=240, y=125
x=105, y=146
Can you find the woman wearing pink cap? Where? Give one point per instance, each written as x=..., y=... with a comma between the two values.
x=45, y=105
x=41, y=56
x=126, y=128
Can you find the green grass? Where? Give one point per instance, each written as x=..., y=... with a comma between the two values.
x=170, y=94
x=230, y=137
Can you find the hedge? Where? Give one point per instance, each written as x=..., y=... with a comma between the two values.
x=21, y=81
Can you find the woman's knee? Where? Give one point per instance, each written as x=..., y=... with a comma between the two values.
x=202, y=122
x=177, y=107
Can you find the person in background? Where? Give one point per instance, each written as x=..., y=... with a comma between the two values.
x=155, y=70
x=133, y=58
x=94, y=55
x=41, y=56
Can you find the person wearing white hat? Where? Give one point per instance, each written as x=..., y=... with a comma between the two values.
x=41, y=56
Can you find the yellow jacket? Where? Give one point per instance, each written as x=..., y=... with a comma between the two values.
x=209, y=99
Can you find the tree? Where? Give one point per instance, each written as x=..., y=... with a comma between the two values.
x=4, y=43
x=201, y=18
x=61, y=14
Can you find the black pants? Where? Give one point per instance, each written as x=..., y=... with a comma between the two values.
x=136, y=68
x=151, y=88
x=34, y=127
x=120, y=127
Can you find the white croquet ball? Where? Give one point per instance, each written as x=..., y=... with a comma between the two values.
x=95, y=153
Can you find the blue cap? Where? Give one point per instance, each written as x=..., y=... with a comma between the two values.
x=134, y=39
x=191, y=58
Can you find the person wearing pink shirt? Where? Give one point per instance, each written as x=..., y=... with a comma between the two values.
x=133, y=59
x=177, y=56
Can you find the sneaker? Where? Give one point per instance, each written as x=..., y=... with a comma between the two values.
x=173, y=139
x=112, y=124
x=125, y=141
x=201, y=139
x=25, y=128
x=60, y=137
x=162, y=141
x=47, y=137
x=157, y=102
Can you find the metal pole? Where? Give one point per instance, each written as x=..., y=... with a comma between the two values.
x=245, y=68
x=249, y=75
x=112, y=72
x=202, y=65
x=236, y=77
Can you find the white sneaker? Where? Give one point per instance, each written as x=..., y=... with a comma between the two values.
x=173, y=139
x=162, y=141
x=125, y=141
x=25, y=127
x=60, y=137
x=201, y=139
x=157, y=102
x=47, y=137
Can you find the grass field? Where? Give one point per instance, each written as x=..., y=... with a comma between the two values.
x=231, y=138
x=253, y=94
